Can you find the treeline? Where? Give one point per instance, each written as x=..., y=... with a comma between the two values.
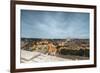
x=81, y=52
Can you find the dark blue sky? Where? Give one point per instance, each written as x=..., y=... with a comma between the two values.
x=52, y=24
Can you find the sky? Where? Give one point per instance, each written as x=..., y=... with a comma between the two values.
x=54, y=24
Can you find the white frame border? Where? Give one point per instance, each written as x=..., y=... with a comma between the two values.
x=53, y=64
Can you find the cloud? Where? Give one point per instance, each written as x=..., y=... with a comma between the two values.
x=47, y=24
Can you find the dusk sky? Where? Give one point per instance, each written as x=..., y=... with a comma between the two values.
x=52, y=24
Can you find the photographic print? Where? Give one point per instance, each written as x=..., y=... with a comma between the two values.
x=52, y=36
